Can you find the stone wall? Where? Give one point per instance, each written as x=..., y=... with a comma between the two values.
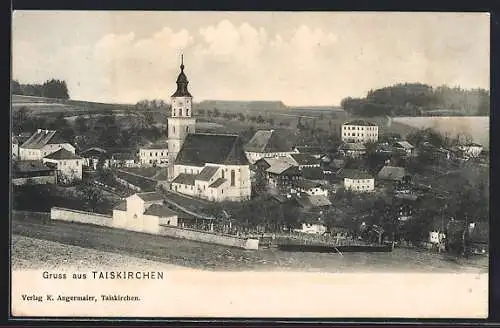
x=65, y=214
x=209, y=237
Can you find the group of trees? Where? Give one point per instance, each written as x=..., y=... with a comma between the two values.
x=416, y=99
x=51, y=89
x=95, y=130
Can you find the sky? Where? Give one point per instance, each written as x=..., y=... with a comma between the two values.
x=300, y=58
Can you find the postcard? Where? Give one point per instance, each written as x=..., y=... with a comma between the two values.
x=249, y=164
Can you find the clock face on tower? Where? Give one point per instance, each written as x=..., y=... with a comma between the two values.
x=179, y=103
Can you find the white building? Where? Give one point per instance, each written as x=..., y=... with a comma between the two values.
x=67, y=164
x=358, y=181
x=212, y=167
x=471, y=149
x=154, y=155
x=359, y=131
x=312, y=188
x=267, y=144
x=144, y=212
x=43, y=143
x=352, y=149
x=312, y=227
x=93, y=155
x=208, y=166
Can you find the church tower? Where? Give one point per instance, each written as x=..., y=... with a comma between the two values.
x=181, y=121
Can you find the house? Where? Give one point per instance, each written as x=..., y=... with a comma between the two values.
x=313, y=173
x=32, y=172
x=334, y=166
x=43, y=143
x=359, y=131
x=313, y=151
x=405, y=146
x=122, y=160
x=209, y=166
x=305, y=160
x=266, y=144
x=312, y=202
x=144, y=212
x=392, y=173
x=93, y=155
x=279, y=172
x=471, y=150
x=155, y=154
x=312, y=225
x=358, y=181
x=68, y=165
x=212, y=167
x=352, y=149
x=311, y=188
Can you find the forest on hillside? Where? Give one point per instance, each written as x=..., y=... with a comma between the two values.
x=417, y=99
x=52, y=88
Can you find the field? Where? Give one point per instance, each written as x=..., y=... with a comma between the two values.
x=477, y=127
x=31, y=253
x=283, y=118
x=124, y=244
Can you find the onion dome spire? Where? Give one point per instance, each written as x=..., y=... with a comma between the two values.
x=182, y=83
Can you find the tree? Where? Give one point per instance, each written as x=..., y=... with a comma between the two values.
x=91, y=195
x=20, y=118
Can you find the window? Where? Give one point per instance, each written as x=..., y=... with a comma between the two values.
x=135, y=216
x=233, y=178
x=222, y=174
x=222, y=191
x=156, y=154
x=187, y=111
x=187, y=129
x=180, y=111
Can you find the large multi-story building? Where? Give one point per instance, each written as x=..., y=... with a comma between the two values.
x=208, y=166
x=359, y=131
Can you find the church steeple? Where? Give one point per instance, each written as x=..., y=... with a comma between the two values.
x=182, y=83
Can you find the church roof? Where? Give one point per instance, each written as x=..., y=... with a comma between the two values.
x=201, y=148
x=267, y=141
x=182, y=83
x=185, y=178
x=217, y=183
x=207, y=173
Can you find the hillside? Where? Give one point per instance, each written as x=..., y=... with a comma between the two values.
x=417, y=99
x=229, y=105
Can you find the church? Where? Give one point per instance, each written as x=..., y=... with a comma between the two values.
x=208, y=166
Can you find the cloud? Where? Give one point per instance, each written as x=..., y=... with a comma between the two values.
x=304, y=63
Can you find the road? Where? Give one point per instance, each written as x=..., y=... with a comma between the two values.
x=214, y=257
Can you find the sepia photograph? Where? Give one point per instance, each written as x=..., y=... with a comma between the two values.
x=249, y=164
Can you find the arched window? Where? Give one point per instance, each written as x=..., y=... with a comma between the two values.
x=180, y=111
x=233, y=178
x=187, y=111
